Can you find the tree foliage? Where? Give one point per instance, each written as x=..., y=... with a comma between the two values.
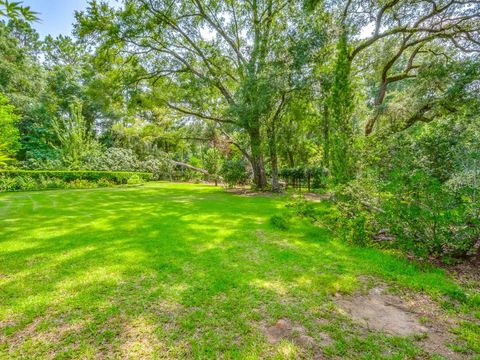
x=15, y=10
x=76, y=141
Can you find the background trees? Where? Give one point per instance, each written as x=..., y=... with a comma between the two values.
x=241, y=90
x=227, y=62
x=9, y=135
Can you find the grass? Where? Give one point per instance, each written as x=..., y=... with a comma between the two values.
x=185, y=271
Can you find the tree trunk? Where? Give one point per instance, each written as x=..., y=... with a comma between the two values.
x=188, y=166
x=272, y=144
x=258, y=165
x=275, y=183
x=326, y=138
x=291, y=161
x=371, y=123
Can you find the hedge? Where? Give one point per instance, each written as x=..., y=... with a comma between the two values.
x=118, y=177
x=26, y=180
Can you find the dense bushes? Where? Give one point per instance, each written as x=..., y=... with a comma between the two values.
x=418, y=193
x=418, y=214
x=112, y=159
x=15, y=180
x=234, y=172
x=135, y=180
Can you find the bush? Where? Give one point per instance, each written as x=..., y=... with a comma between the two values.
x=234, y=172
x=26, y=183
x=161, y=169
x=297, y=209
x=53, y=184
x=415, y=213
x=429, y=218
x=114, y=159
x=43, y=164
x=80, y=184
x=415, y=190
x=13, y=180
x=135, y=180
x=359, y=203
x=303, y=209
x=280, y=222
x=8, y=184
x=105, y=183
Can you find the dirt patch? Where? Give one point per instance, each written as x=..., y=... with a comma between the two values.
x=416, y=316
x=284, y=329
x=249, y=193
x=19, y=337
x=37, y=334
x=382, y=312
x=138, y=340
x=309, y=196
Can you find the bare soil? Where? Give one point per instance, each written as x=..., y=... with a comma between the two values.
x=248, y=192
x=285, y=329
x=414, y=316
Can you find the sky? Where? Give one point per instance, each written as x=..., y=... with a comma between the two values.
x=56, y=16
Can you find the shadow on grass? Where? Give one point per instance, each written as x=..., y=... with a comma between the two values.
x=183, y=270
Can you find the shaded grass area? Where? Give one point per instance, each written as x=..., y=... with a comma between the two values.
x=185, y=271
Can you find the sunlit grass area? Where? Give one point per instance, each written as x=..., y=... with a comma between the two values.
x=186, y=271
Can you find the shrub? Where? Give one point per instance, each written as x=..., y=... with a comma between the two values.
x=105, y=183
x=80, y=184
x=114, y=159
x=428, y=218
x=280, y=222
x=135, y=180
x=213, y=162
x=111, y=160
x=7, y=183
x=303, y=209
x=298, y=208
x=42, y=164
x=234, y=172
x=53, y=184
x=416, y=213
x=160, y=168
x=358, y=202
x=26, y=183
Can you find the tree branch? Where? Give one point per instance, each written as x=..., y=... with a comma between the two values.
x=200, y=115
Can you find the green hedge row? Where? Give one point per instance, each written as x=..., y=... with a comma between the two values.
x=26, y=180
x=118, y=177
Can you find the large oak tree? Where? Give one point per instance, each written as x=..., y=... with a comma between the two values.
x=224, y=61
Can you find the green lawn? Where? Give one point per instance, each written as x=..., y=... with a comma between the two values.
x=187, y=271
